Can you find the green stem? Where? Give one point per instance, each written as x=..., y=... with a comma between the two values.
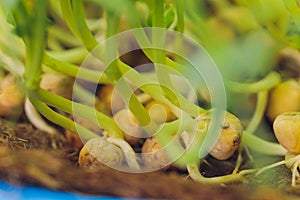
x=261, y=103
x=195, y=174
x=145, y=45
x=262, y=146
x=268, y=82
x=156, y=92
x=57, y=118
x=75, y=55
x=180, y=15
x=167, y=139
x=73, y=13
x=74, y=70
x=79, y=18
x=81, y=30
x=111, y=49
x=68, y=16
x=35, y=45
x=114, y=74
x=86, y=112
x=63, y=36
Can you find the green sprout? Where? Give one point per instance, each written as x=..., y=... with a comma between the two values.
x=244, y=56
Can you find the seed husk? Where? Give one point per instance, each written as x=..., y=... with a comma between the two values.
x=287, y=131
x=154, y=156
x=98, y=151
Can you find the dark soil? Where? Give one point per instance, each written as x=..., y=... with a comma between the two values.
x=31, y=157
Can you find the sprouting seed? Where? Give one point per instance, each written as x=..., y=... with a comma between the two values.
x=287, y=131
x=284, y=98
x=129, y=125
x=98, y=151
x=154, y=156
x=230, y=137
x=159, y=112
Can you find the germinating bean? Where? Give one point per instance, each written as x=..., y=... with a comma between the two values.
x=154, y=156
x=287, y=131
x=128, y=124
x=159, y=112
x=98, y=151
x=284, y=98
x=230, y=137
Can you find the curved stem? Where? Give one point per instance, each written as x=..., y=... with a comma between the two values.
x=271, y=80
x=128, y=152
x=35, y=118
x=59, y=119
x=74, y=70
x=75, y=55
x=75, y=19
x=195, y=174
x=265, y=147
x=143, y=41
x=79, y=18
x=291, y=160
x=261, y=103
x=85, y=111
x=154, y=90
x=63, y=36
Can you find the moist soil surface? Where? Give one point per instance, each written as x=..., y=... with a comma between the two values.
x=31, y=157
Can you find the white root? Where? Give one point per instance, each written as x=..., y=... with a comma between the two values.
x=36, y=119
x=128, y=152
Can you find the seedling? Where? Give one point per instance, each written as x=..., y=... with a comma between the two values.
x=183, y=133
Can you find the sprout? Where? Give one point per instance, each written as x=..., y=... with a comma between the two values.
x=98, y=151
x=230, y=137
x=36, y=119
x=58, y=84
x=159, y=112
x=284, y=98
x=287, y=131
x=128, y=152
x=129, y=125
x=153, y=154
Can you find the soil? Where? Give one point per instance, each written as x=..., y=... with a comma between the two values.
x=31, y=157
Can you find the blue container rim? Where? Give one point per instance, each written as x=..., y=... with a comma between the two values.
x=12, y=192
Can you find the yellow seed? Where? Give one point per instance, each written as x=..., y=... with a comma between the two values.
x=284, y=98
x=159, y=112
x=287, y=131
x=230, y=136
